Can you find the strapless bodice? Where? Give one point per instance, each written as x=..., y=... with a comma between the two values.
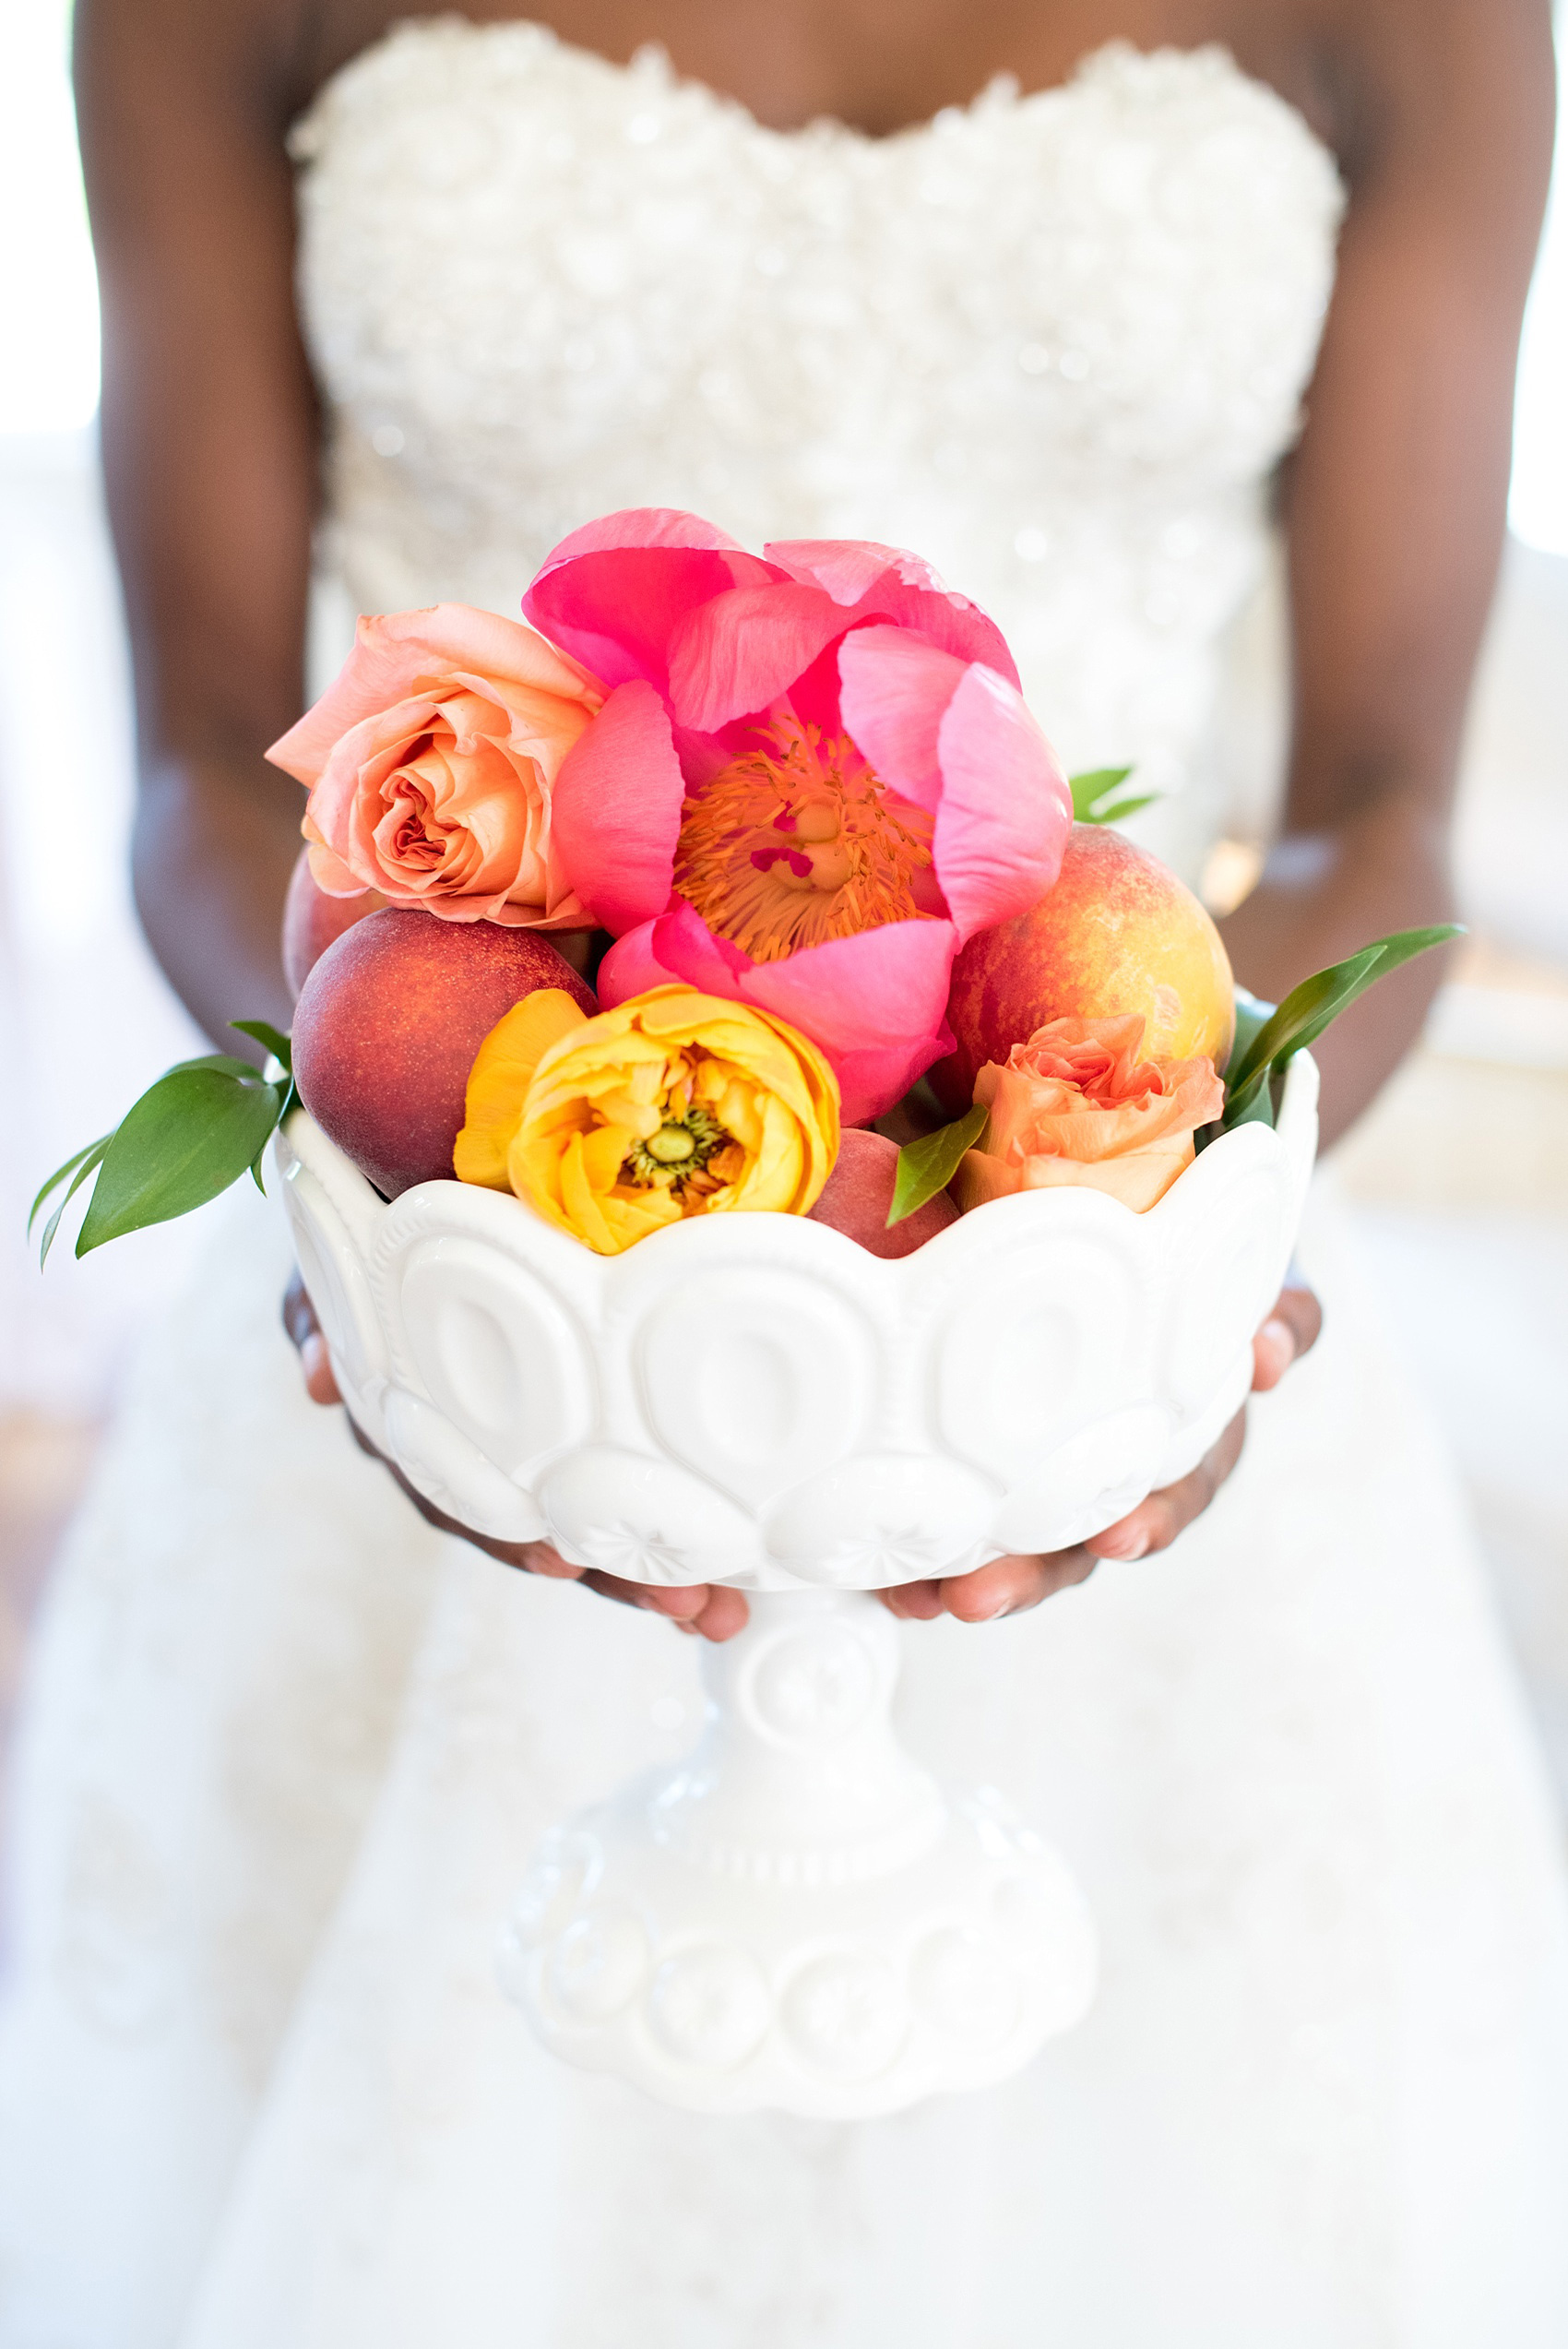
x=1056, y=342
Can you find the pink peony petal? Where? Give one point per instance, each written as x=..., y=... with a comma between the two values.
x=677, y=945
x=401, y=655
x=888, y=583
x=845, y=569
x=739, y=653
x=894, y=689
x=884, y=987
x=875, y=1004
x=614, y=593
x=1006, y=810
x=615, y=812
x=638, y=526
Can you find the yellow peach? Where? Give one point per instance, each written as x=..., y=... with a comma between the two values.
x=1118, y=934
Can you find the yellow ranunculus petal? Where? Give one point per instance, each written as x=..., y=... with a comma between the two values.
x=740, y=1110
x=613, y=1080
x=503, y=1070
x=582, y=1207
x=603, y=1152
x=624, y=1109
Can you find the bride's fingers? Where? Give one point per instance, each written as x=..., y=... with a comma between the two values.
x=726, y=1613
x=1155, y=1522
x=300, y=1321
x=1291, y=1332
x=682, y=1604
x=913, y=1602
x=1012, y=1585
x=712, y=1609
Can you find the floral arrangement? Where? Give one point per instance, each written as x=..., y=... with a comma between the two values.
x=792, y=812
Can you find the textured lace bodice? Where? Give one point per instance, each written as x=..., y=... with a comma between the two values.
x=1054, y=342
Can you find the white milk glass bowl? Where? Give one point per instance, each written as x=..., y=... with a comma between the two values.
x=799, y=1916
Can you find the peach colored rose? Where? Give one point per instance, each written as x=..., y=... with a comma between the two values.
x=1076, y=1105
x=429, y=763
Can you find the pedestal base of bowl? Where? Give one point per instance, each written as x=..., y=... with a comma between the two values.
x=798, y=1916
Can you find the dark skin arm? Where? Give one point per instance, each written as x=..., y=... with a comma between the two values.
x=210, y=459
x=1394, y=501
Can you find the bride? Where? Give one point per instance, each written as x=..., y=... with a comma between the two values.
x=289, y=1745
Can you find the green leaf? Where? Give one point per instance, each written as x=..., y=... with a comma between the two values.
x=1312, y=1006
x=1098, y=796
x=1258, y=1109
x=87, y=1162
x=1253, y=1014
x=1299, y=1020
x=1089, y=789
x=929, y=1165
x=225, y=1064
x=91, y=1150
x=274, y=1041
x=191, y=1134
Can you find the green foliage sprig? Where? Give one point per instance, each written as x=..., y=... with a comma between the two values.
x=928, y=1165
x=1265, y=1045
x=203, y=1124
x=1100, y=796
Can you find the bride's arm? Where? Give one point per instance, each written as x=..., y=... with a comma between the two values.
x=1394, y=505
x=209, y=456
x=211, y=451
x=1394, y=501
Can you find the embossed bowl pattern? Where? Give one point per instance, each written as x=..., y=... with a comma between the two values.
x=756, y=1399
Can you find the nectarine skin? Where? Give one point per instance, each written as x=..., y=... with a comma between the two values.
x=859, y=1192
x=387, y=1025
x=312, y=921
x=1118, y=933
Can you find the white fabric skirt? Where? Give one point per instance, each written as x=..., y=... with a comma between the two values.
x=286, y=1752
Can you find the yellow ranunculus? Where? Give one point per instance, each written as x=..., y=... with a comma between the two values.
x=675, y=1104
x=500, y=1076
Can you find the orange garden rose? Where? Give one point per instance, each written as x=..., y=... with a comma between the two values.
x=673, y=1104
x=431, y=763
x=1076, y=1105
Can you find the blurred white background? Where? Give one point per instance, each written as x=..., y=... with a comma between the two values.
x=1457, y=1179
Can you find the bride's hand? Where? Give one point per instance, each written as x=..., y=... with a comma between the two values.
x=711, y=1609
x=1009, y=1585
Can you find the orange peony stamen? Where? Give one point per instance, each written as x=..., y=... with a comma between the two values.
x=794, y=843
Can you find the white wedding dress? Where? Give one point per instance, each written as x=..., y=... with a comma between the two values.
x=288, y=1750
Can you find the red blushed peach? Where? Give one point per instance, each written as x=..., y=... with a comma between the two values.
x=387, y=1025
x=859, y=1192
x=1118, y=933
x=312, y=921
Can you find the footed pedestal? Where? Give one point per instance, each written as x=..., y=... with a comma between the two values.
x=799, y=1916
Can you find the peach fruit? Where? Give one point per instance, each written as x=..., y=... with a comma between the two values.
x=312, y=920
x=388, y=1023
x=857, y=1195
x=1118, y=933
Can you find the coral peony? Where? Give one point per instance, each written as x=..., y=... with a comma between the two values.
x=1076, y=1105
x=673, y=1105
x=814, y=778
x=431, y=763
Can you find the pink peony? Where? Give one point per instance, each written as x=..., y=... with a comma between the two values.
x=1076, y=1105
x=814, y=778
x=431, y=762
